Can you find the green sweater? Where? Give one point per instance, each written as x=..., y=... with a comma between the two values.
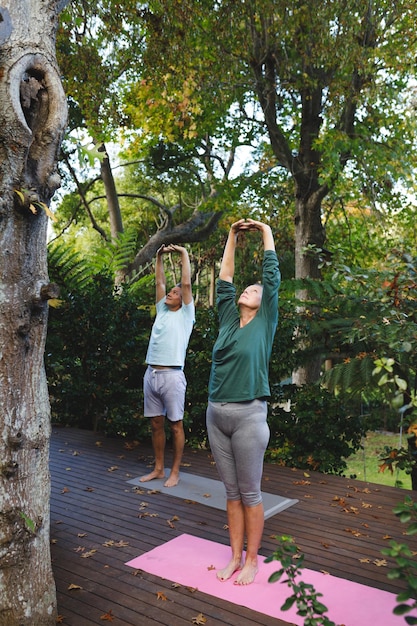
x=240, y=361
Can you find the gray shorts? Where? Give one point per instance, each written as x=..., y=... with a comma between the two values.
x=164, y=393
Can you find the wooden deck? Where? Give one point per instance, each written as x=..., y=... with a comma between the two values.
x=99, y=521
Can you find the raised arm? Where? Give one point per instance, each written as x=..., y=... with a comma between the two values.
x=227, y=267
x=160, y=278
x=267, y=236
x=186, y=289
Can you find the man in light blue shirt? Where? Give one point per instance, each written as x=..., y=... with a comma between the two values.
x=164, y=381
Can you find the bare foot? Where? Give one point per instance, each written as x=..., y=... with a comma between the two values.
x=229, y=570
x=172, y=480
x=152, y=476
x=247, y=574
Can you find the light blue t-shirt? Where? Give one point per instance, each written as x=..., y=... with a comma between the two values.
x=170, y=335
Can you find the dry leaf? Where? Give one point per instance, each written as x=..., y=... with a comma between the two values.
x=72, y=586
x=366, y=505
x=192, y=589
x=380, y=562
x=79, y=549
x=161, y=596
x=175, y=518
x=107, y=617
x=81, y=535
x=121, y=544
x=87, y=555
x=65, y=490
x=175, y=585
x=59, y=619
x=206, y=495
x=89, y=489
x=113, y=468
x=387, y=537
x=170, y=524
x=364, y=560
x=99, y=444
x=199, y=619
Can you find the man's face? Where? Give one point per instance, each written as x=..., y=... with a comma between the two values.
x=173, y=299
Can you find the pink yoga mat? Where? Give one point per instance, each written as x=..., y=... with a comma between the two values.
x=192, y=562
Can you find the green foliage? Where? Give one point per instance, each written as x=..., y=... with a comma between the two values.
x=313, y=429
x=95, y=355
x=304, y=595
x=406, y=565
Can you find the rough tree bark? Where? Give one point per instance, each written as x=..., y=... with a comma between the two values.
x=33, y=117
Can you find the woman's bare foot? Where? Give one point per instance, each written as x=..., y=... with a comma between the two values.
x=152, y=476
x=229, y=570
x=247, y=574
x=172, y=480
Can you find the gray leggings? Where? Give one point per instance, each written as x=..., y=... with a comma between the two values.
x=238, y=434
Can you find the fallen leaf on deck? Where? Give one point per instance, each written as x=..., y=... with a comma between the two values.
x=89, y=489
x=192, y=589
x=364, y=560
x=79, y=549
x=161, y=596
x=206, y=495
x=99, y=444
x=87, y=555
x=121, y=544
x=199, y=619
x=366, y=505
x=301, y=482
x=113, y=468
x=175, y=585
x=387, y=537
x=107, y=617
x=170, y=524
x=355, y=533
x=59, y=619
x=380, y=562
x=75, y=453
x=72, y=586
x=81, y=535
x=65, y=490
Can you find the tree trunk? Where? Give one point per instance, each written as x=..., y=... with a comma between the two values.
x=309, y=235
x=32, y=121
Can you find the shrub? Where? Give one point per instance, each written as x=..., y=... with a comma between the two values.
x=317, y=431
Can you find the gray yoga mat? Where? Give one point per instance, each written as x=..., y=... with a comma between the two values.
x=209, y=492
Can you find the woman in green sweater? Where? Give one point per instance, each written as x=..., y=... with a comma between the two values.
x=238, y=392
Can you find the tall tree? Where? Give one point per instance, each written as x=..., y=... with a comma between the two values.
x=33, y=117
x=323, y=83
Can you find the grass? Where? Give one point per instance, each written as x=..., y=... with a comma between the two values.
x=364, y=464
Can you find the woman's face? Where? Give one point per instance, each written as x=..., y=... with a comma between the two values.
x=251, y=297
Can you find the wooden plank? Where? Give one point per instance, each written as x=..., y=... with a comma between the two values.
x=340, y=525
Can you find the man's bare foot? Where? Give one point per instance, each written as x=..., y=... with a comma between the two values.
x=152, y=476
x=172, y=480
x=247, y=574
x=229, y=570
